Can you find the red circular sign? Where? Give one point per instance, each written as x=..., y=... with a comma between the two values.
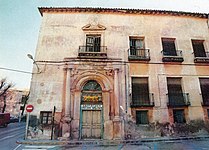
x=29, y=108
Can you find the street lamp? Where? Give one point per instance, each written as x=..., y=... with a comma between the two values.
x=34, y=62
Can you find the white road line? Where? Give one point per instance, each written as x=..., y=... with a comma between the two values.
x=17, y=147
x=34, y=149
x=7, y=137
x=10, y=136
x=37, y=146
x=10, y=130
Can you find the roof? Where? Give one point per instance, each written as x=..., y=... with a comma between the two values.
x=120, y=11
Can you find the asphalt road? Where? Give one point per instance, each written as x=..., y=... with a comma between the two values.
x=10, y=134
x=15, y=131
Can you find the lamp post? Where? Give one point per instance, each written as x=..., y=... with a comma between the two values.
x=34, y=62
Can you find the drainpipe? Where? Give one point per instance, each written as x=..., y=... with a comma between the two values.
x=127, y=86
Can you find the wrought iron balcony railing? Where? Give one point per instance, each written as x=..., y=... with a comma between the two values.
x=204, y=58
x=145, y=100
x=92, y=52
x=139, y=54
x=174, y=56
x=178, y=99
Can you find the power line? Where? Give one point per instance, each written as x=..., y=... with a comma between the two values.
x=20, y=71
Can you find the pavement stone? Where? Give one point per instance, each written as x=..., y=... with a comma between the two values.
x=105, y=142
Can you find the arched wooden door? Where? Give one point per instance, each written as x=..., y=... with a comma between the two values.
x=91, y=122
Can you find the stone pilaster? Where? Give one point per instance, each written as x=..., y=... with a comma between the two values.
x=117, y=122
x=67, y=118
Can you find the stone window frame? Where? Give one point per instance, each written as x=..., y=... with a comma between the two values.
x=46, y=117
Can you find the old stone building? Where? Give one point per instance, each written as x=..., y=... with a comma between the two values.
x=98, y=65
x=13, y=101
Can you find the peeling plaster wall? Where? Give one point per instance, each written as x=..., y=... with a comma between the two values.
x=61, y=35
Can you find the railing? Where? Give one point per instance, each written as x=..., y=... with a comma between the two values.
x=175, y=56
x=202, y=59
x=139, y=54
x=92, y=51
x=143, y=100
x=178, y=99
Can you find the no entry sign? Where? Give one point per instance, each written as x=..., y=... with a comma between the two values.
x=29, y=108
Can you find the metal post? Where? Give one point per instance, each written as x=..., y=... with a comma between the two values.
x=27, y=123
x=52, y=132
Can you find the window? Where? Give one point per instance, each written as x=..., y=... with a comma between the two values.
x=208, y=112
x=93, y=43
x=140, y=91
x=169, y=48
x=137, y=46
x=178, y=116
x=46, y=117
x=198, y=47
x=175, y=93
x=142, y=117
x=204, y=85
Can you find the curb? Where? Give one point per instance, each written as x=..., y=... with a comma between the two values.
x=106, y=142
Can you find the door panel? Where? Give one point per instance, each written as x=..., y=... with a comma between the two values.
x=91, y=124
x=96, y=124
x=86, y=123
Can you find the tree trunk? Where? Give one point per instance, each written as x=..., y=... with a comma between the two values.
x=4, y=107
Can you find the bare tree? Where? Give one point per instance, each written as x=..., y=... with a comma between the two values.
x=4, y=87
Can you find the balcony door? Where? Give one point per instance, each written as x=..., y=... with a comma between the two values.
x=137, y=47
x=93, y=43
x=175, y=93
x=140, y=91
x=169, y=48
x=198, y=47
x=204, y=85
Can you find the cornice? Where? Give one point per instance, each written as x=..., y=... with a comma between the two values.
x=119, y=11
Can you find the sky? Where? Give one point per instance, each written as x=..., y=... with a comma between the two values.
x=20, y=21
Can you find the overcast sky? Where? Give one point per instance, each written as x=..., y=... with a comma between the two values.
x=20, y=22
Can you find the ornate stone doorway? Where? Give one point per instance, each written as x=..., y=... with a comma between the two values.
x=91, y=115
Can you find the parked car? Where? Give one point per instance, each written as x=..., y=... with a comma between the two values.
x=13, y=119
x=4, y=119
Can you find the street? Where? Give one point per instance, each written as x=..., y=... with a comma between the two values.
x=15, y=131
x=9, y=135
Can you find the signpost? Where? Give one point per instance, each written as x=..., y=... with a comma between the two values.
x=29, y=109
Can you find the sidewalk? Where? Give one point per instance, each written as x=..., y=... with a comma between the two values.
x=106, y=142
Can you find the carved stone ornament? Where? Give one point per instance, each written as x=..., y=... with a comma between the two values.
x=74, y=72
x=92, y=27
x=109, y=72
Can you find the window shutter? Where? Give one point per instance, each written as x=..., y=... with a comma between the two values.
x=169, y=48
x=198, y=47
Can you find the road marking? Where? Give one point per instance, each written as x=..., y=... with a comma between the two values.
x=37, y=146
x=10, y=136
x=155, y=146
x=12, y=130
x=35, y=149
x=17, y=147
x=7, y=137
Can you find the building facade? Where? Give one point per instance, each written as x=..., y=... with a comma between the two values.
x=14, y=101
x=99, y=65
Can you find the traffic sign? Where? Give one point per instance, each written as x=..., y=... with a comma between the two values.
x=29, y=108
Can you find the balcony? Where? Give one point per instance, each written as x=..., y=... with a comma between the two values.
x=139, y=54
x=204, y=58
x=175, y=56
x=178, y=99
x=146, y=100
x=98, y=52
